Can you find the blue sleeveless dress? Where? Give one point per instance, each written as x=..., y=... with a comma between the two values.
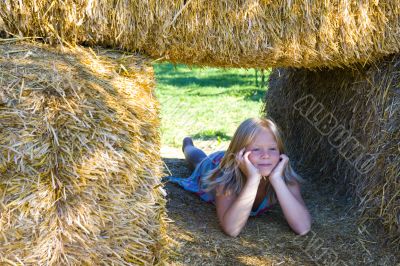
x=194, y=182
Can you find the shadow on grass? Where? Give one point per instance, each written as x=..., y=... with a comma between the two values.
x=222, y=81
x=211, y=134
x=171, y=69
x=247, y=94
x=168, y=69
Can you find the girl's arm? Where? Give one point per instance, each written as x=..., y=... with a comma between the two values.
x=293, y=208
x=290, y=200
x=233, y=211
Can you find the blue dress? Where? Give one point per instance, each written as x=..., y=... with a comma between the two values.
x=194, y=182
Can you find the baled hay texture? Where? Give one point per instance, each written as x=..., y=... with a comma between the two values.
x=224, y=33
x=343, y=125
x=79, y=159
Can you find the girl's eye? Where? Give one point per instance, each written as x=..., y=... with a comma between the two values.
x=273, y=149
x=256, y=149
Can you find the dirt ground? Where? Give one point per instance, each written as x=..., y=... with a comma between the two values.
x=335, y=238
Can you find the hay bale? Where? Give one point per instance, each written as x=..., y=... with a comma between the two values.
x=219, y=33
x=342, y=125
x=79, y=158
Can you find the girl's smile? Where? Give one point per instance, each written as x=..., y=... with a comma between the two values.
x=264, y=165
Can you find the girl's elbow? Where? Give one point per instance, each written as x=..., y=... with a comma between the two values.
x=232, y=234
x=230, y=231
x=303, y=229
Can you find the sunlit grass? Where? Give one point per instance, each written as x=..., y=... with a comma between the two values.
x=205, y=103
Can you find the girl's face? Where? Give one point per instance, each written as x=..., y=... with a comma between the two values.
x=264, y=152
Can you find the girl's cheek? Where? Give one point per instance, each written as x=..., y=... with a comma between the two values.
x=277, y=159
x=251, y=159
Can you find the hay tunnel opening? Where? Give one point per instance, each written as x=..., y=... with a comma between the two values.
x=208, y=104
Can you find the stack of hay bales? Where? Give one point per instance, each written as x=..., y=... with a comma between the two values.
x=251, y=33
x=343, y=125
x=79, y=158
x=363, y=97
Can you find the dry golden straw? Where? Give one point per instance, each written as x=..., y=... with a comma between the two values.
x=79, y=158
x=366, y=102
x=248, y=33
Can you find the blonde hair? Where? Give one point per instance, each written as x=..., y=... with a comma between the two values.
x=228, y=173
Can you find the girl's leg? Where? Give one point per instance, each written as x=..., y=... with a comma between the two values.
x=192, y=154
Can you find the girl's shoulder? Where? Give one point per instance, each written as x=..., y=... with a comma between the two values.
x=216, y=157
x=216, y=153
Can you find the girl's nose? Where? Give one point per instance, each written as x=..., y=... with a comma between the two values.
x=265, y=154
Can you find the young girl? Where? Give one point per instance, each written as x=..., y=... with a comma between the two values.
x=247, y=179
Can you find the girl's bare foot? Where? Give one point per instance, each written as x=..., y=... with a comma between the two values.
x=186, y=141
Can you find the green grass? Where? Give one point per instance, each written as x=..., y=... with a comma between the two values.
x=205, y=103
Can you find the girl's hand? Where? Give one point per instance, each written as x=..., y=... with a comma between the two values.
x=279, y=169
x=251, y=172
